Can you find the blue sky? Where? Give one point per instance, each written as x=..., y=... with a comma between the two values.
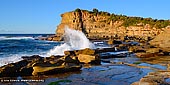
x=42, y=16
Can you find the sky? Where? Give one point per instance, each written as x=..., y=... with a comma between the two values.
x=42, y=16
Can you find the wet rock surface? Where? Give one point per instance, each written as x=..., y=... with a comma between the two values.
x=117, y=71
x=112, y=71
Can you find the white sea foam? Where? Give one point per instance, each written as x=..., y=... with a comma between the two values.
x=74, y=40
x=14, y=38
x=101, y=44
x=12, y=59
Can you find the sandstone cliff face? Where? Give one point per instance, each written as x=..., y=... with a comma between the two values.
x=162, y=40
x=99, y=25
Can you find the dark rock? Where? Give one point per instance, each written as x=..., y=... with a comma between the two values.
x=20, y=64
x=166, y=53
x=121, y=47
x=26, y=71
x=70, y=53
x=71, y=59
x=8, y=70
x=117, y=42
x=111, y=42
x=55, y=57
x=107, y=55
x=133, y=43
x=105, y=50
x=33, y=57
x=12, y=69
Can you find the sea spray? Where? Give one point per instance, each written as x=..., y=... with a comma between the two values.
x=73, y=40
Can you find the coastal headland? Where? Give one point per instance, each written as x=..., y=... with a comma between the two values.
x=103, y=25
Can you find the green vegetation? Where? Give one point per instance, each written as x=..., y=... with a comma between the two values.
x=137, y=63
x=129, y=21
x=95, y=10
x=133, y=21
x=59, y=81
x=78, y=10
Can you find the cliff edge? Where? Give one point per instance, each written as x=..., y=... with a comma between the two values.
x=100, y=25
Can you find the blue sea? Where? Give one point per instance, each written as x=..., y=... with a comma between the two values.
x=13, y=46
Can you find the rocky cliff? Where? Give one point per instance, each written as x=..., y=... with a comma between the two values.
x=97, y=24
x=162, y=41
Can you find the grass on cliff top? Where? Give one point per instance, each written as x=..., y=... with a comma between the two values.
x=129, y=21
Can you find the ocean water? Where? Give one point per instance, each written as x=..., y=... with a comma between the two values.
x=13, y=46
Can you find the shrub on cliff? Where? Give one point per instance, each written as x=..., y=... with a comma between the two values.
x=95, y=10
x=77, y=10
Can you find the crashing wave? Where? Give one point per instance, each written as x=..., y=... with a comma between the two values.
x=73, y=40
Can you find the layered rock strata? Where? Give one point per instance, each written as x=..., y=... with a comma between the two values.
x=101, y=25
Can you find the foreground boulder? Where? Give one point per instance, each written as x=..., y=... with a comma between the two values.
x=44, y=70
x=86, y=56
x=36, y=65
x=56, y=65
x=83, y=58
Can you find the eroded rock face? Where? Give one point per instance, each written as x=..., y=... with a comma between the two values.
x=99, y=26
x=162, y=41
